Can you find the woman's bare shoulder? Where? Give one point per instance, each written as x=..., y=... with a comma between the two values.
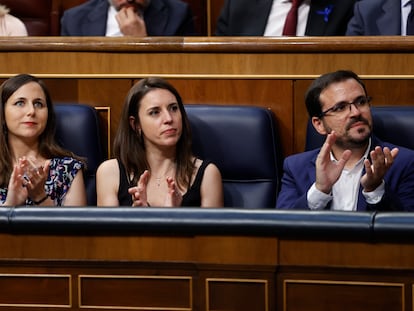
x=108, y=166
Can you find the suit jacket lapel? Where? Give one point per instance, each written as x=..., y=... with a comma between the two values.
x=257, y=14
x=322, y=12
x=389, y=22
x=316, y=25
x=156, y=12
x=312, y=167
x=96, y=22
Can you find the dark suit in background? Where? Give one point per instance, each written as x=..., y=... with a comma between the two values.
x=162, y=18
x=375, y=18
x=249, y=17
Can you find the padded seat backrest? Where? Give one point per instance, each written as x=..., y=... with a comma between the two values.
x=242, y=141
x=37, y=15
x=77, y=129
x=393, y=124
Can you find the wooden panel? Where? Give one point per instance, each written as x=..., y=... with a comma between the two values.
x=112, y=92
x=210, y=273
x=351, y=254
x=300, y=115
x=94, y=56
x=129, y=291
x=237, y=250
x=108, y=93
x=199, y=9
x=35, y=290
x=312, y=295
x=267, y=72
x=237, y=294
x=390, y=91
x=100, y=93
x=90, y=248
x=223, y=250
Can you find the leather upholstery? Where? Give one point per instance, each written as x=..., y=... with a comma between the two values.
x=397, y=226
x=4, y=218
x=77, y=129
x=242, y=141
x=323, y=225
x=115, y=221
x=393, y=124
x=38, y=16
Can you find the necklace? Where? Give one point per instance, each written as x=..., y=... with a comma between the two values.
x=158, y=179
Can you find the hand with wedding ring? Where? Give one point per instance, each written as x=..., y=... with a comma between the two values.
x=34, y=178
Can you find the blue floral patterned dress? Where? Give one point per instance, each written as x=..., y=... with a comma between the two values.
x=62, y=171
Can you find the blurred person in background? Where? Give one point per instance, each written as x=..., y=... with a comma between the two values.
x=128, y=18
x=10, y=25
x=382, y=18
x=270, y=17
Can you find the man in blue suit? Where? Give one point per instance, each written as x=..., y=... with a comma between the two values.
x=128, y=18
x=379, y=18
x=267, y=17
x=353, y=170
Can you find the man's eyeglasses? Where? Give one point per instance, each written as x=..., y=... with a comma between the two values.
x=342, y=108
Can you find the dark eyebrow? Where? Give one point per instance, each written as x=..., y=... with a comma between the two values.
x=345, y=102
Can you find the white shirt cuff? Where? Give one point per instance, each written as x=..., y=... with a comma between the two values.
x=317, y=199
x=375, y=196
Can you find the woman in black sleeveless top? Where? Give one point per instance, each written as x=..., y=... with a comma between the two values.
x=154, y=164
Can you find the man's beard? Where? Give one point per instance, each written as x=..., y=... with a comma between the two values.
x=348, y=142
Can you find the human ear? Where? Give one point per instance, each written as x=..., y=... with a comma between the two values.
x=319, y=126
x=133, y=124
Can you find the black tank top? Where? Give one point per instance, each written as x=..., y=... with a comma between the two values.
x=192, y=198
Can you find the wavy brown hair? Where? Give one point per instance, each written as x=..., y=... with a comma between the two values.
x=129, y=147
x=48, y=148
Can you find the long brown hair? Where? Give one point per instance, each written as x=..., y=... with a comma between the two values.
x=129, y=147
x=48, y=148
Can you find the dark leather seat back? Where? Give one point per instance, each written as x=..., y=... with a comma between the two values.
x=38, y=15
x=78, y=130
x=242, y=141
x=394, y=124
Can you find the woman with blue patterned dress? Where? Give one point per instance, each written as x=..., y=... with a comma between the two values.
x=34, y=169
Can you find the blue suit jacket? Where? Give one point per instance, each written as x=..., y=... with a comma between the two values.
x=162, y=18
x=299, y=175
x=375, y=18
x=249, y=17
